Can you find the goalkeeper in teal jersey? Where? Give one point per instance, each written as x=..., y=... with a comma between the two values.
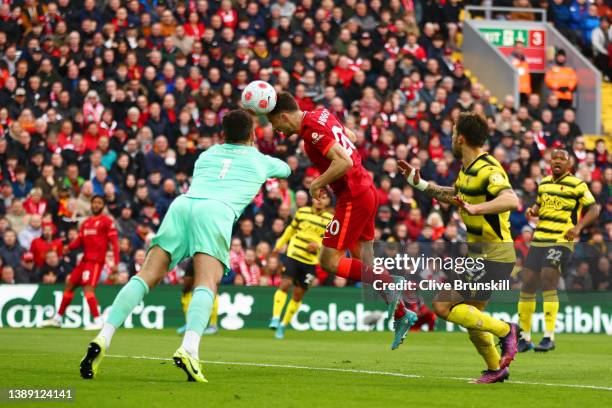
x=198, y=224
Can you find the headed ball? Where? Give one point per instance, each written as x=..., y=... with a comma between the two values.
x=259, y=97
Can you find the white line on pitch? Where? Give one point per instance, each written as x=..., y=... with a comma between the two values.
x=369, y=372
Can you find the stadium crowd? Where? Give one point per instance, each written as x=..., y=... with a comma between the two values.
x=118, y=98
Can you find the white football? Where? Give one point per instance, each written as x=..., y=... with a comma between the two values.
x=259, y=97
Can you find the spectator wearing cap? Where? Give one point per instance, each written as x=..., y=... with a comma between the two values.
x=19, y=103
x=126, y=225
x=26, y=272
x=45, y=243
x=11, y=250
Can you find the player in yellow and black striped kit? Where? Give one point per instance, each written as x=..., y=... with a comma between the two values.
x=561, y=199
x=485, y=198
x=303, y=236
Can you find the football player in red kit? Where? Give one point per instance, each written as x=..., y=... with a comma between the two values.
x=95, y=234
x=330, y=148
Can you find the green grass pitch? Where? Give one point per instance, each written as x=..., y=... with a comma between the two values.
x=327, y=369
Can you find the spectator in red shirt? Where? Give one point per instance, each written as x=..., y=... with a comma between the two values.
x=35, y=203
x=228, y=15
x=45, y=243
x=415, y=223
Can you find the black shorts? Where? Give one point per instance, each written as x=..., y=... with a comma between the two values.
x=300, y=273
x=553, y=256
x=494, y=272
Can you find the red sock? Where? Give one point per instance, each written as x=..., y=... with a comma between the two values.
x=354, y=269
x=93, y=303
x=66, y=299
x=400, y=310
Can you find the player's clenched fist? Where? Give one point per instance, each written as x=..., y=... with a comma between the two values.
x=413, y=176
x=532, y=211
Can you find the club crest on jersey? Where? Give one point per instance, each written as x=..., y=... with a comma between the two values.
x=316, y=137
x=496, y=179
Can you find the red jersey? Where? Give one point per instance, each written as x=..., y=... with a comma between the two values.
x=40, y=247
x=320, y=131
x=94, y=236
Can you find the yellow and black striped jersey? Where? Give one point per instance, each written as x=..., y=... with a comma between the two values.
x=477, y=183
x=561, y=202
x=307, y=226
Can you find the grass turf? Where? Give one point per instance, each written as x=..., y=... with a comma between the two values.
x=47, y=358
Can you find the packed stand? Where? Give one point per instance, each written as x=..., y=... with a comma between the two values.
x=118, y=99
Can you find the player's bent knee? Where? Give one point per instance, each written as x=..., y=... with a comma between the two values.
x=329, y=259
x=441, y=309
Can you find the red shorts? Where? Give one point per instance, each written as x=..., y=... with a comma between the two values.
x=353, y=221
x=86, y=273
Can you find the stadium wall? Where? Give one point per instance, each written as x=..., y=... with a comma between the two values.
x=333, y=309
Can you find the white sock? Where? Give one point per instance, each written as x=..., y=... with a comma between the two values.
x=108, y=330
x=526, y=336
x=191, y=343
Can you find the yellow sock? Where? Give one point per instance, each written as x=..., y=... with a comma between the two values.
x=483, y=341
x=471, y=318
x=280, y=298
x=526, y=309
x=292, y=307
x=185, y=300
x=214, y=314
x=551, y=307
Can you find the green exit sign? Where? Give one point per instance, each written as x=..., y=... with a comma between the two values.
x=505, y=37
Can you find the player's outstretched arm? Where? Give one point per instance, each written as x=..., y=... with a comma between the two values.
x=440, y=193
x=341, y=163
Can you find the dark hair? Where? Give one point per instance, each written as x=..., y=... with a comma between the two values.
x=560, y=150
x=98, y=196
x=285, y=102
x=237, y=126
x=473, y=127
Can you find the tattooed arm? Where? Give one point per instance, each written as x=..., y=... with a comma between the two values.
x=440, y=193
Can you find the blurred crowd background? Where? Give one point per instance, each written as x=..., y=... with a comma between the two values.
x=118, y=98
